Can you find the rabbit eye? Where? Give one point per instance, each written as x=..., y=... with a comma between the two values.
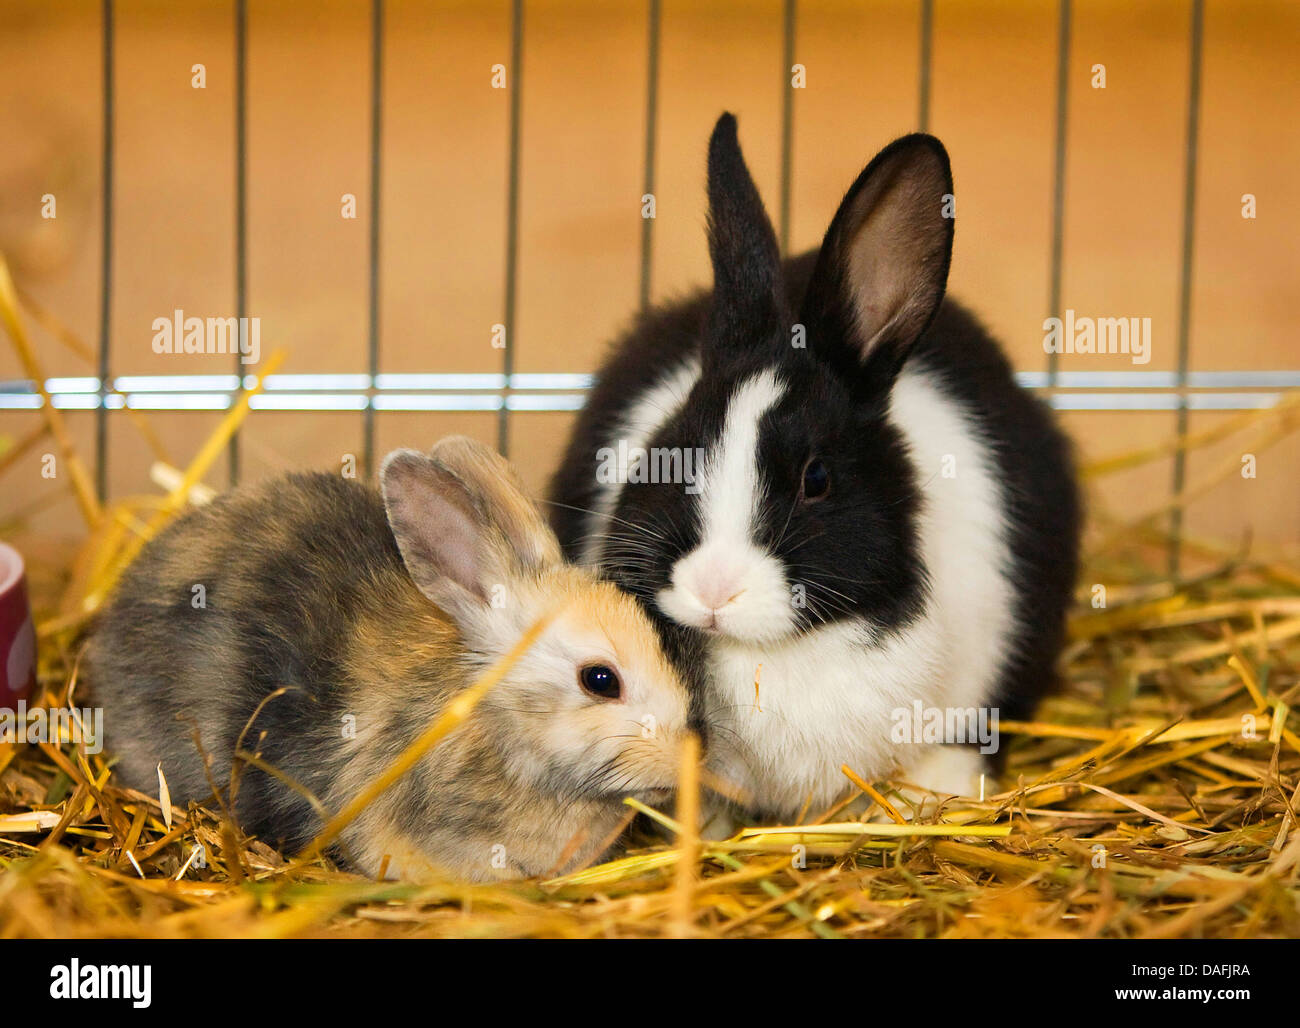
x=816, y=479
x=600, y=680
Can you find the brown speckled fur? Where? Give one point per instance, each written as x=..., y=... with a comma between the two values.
x=307, y=589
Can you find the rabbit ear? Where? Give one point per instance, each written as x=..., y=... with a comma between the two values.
x=496, y=488
x=444, y=541
x=883, y=265
x=462, y=524
x=747, y=298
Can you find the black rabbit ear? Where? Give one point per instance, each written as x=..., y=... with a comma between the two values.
x=746, y=259
x=883, y=265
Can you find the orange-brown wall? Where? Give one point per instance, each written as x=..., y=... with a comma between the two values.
x=443, y=221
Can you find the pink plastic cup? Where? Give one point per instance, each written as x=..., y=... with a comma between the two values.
x=17, y=634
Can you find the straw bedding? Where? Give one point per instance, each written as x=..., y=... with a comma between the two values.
x=1154, y=795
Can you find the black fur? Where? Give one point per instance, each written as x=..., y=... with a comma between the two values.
x=857, y=549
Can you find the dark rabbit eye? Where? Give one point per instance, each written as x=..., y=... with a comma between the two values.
x=816, y=479
x=600, y=680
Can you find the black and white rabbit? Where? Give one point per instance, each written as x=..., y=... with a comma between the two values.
x=879, y=517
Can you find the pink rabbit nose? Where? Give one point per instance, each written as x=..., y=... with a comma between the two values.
x=715, y=595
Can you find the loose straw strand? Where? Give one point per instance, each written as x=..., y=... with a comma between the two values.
x=688, y=838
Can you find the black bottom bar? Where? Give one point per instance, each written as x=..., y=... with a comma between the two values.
x=1020, y=979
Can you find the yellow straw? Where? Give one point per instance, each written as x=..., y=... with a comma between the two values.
x=179, y=496
x=81, y=486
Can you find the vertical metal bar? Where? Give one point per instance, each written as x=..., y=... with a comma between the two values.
x=787, y=123
x=651, y=130
x=376, y=137
x=1185, y=285
x=512, y=219
x=106, y=260
x=1058, y=173
x=923, y=89
x=241, y=200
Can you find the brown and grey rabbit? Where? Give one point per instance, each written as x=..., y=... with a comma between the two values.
x=371, y=611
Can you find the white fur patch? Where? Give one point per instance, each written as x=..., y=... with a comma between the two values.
x=828, y=697
x=730, y=481
x=727, y=585
x=652, y=409
x=951, y=771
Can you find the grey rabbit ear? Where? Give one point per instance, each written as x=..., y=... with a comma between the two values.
x=500, y=495
x=463, y=523
x=442, y=536
x=883, y=266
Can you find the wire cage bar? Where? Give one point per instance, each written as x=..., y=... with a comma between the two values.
x=507, y=392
